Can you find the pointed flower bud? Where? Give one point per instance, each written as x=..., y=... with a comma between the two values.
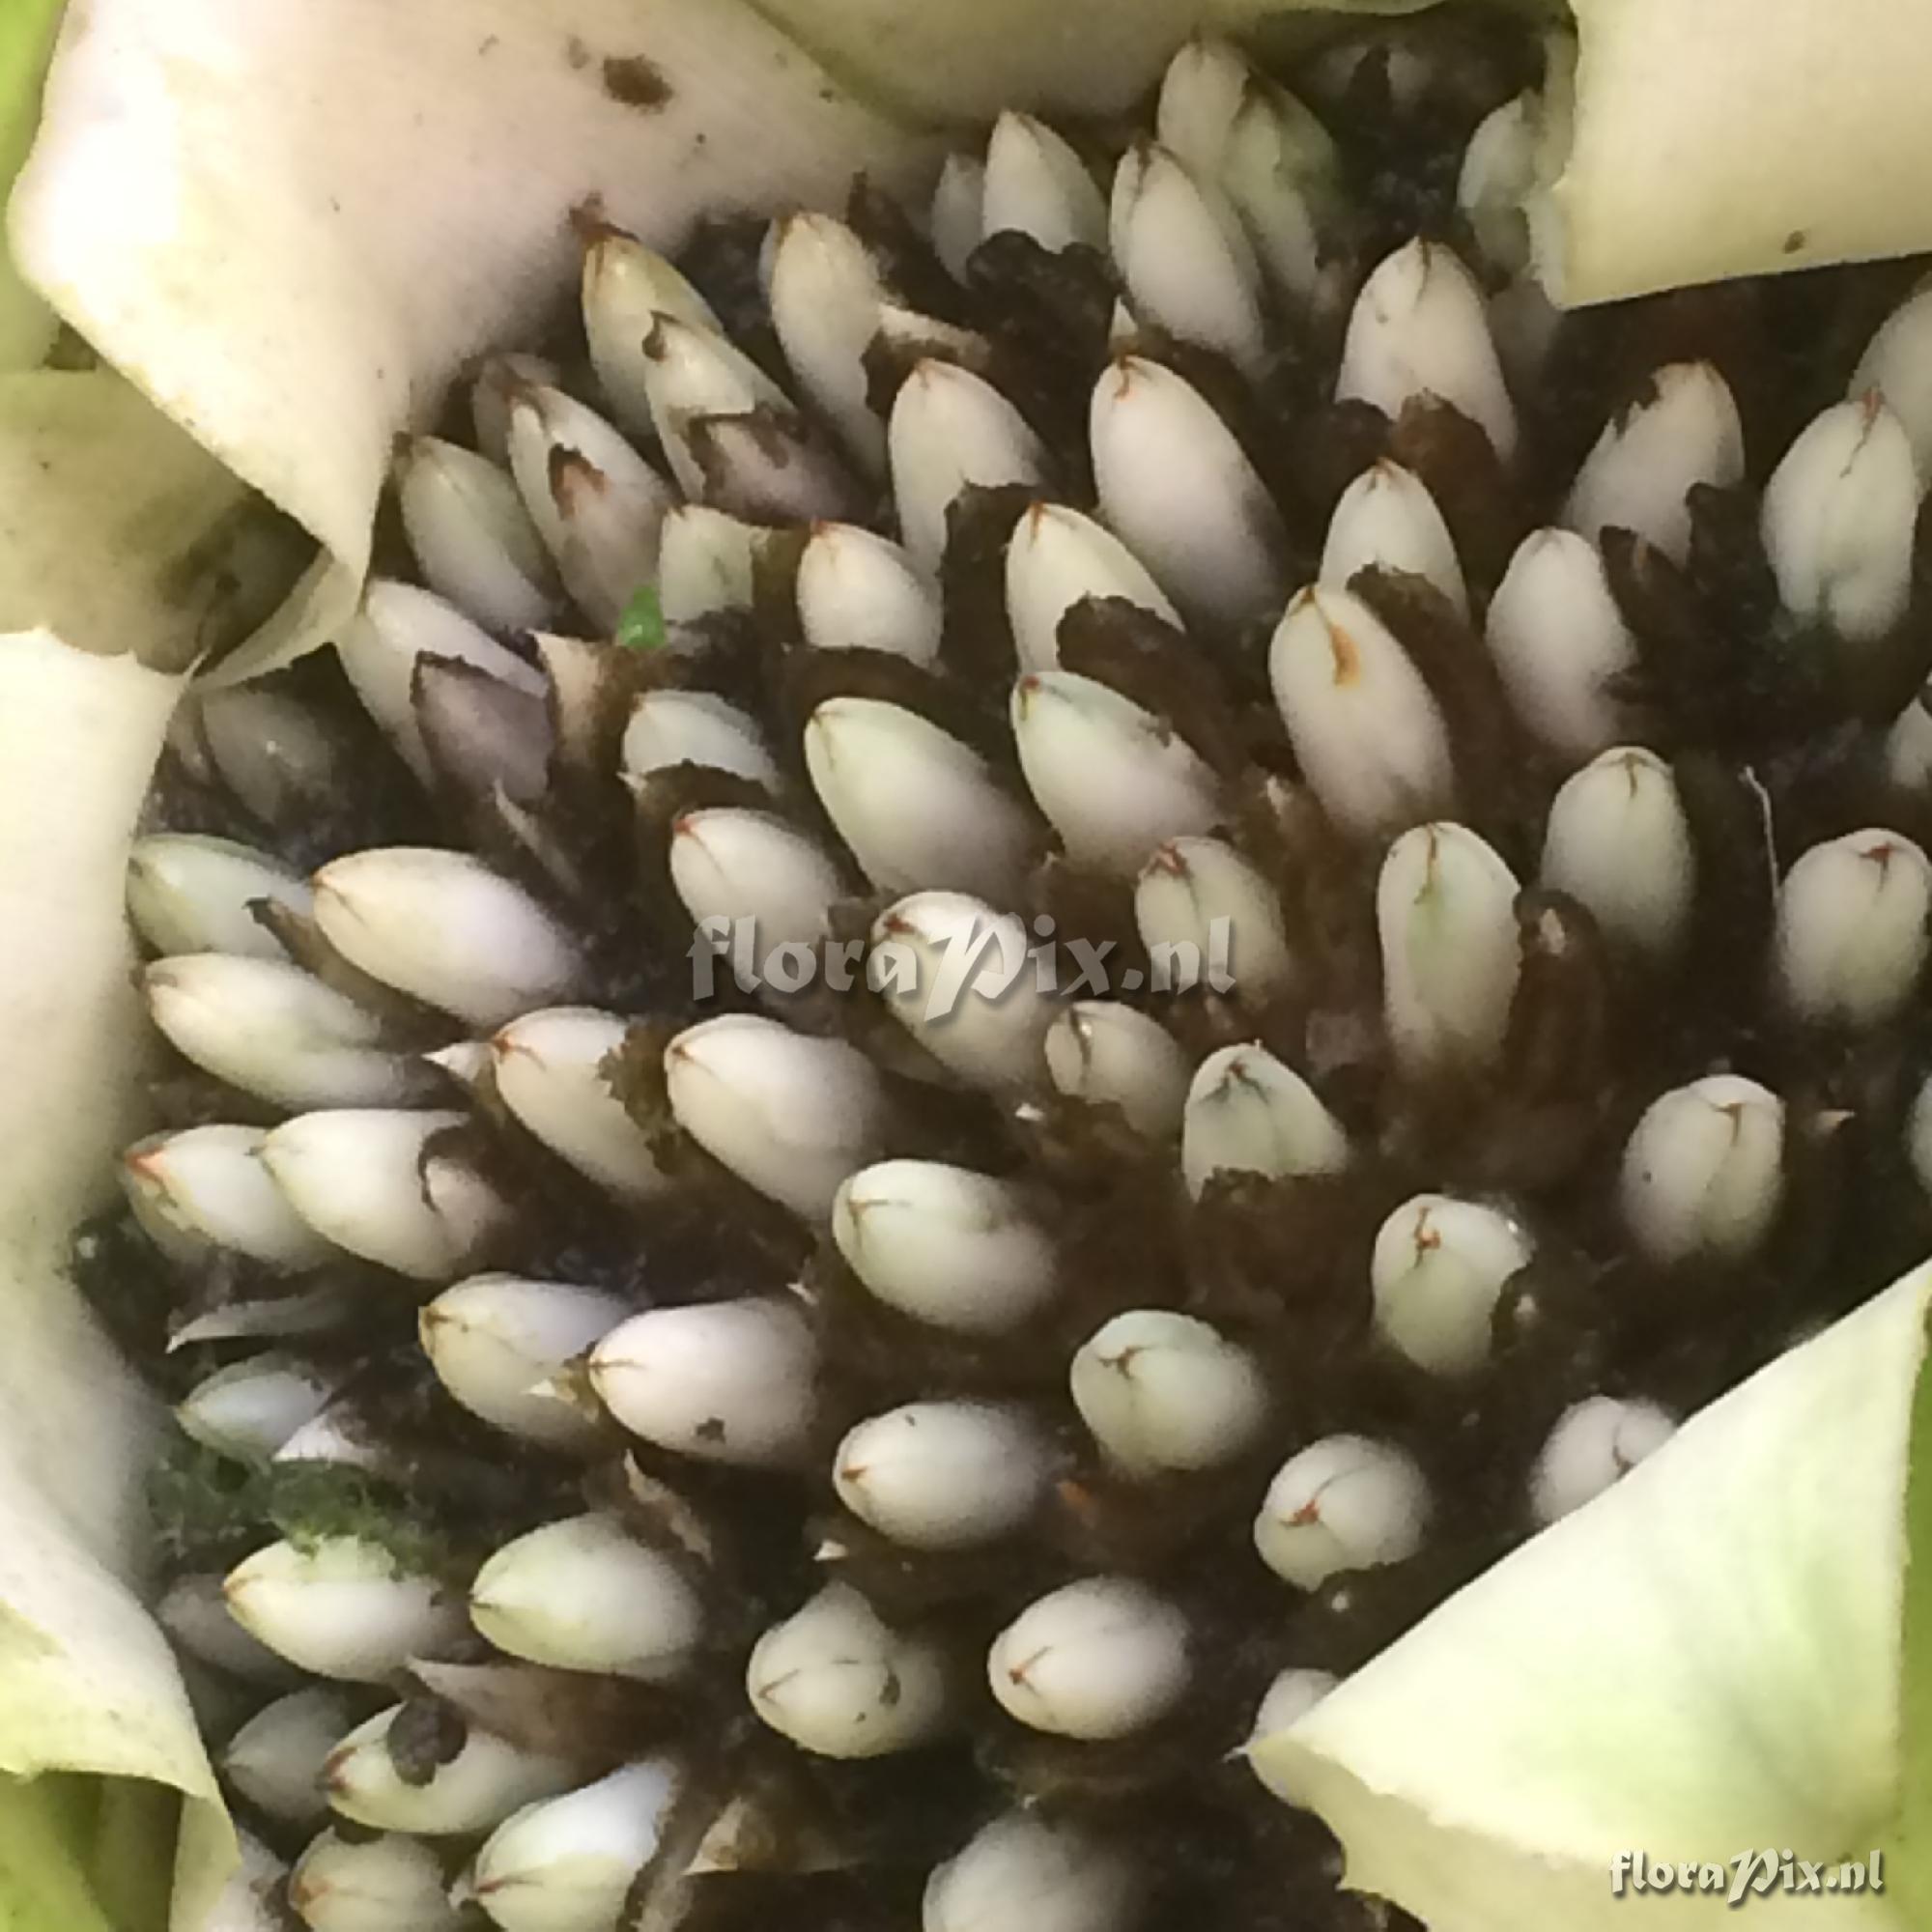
x=1248, y=1114
x=825, y=296
x=584, y=1595
x=693, y=373
x=857, y=591
x=943, y=1475
x=1280, y=173
x=1445, y=909
x=1164, y=1394
x=1703, y=1172
x=201, y=1188
x=1026, y=1871
x=498, y=380
x=487, y=1779
x=949, y=1248
x=273, y=752
x=1199, y=898
x=1112, y=1055
x=385, y=1884
x=949, y=429
x=1179, y=492
x=626, y=288
x=472, y=537
x=251, y=1408
x=1852, y=928
x=788, y=1114
x=840, y=1683
x=727, y=1381
x=729, y=864
x=275, y=1759
x=1440, y=1267
x=1201, y=92
x=1386, y=519
x=1366, y=728
x=958, y=212
x=1345, y=1502
x=706, y=562
x=1617, y=841
x=1290, y=1698
x=1034, y=183
x=1908, y=748
x=1595, y=1443
x=1419, y=330
x=192, y=893
x=341, y=1607
x=1499, y=172
x=671, y=727
x=201, y=1623
x=1115, y=780
x=371, y=1180
x=1099, y=1659
x=1897, y=364
x=914, y=806
x=1056, y=558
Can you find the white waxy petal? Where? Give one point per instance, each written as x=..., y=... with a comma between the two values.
x=1057, y=557
x=692, y=372
x=497, y=382
x=860, y=591
x=444, y=929
x=1200, y=893
x=825, y=296
x=275, y=1759
x=547, y=1066
x=791, y=1116
x=915, y=806
x=1034, y=183
x=584, y=1595
x=673, y=728
x=1292, y=1695
x=478, y=1788
x=1703, y=1172
x=1499, y=172
x=1684, y=431
x=342, y=1606
x=949, y=429
x=1367, y=732
x=1440, y=1267
x=1345, y=1502
x=1897, y=364
x=201, y=1622
x=958, y=212
x=1852, y=928
x=706, y=561
x=943, y=1475
x=493, y=1338
x=201, y=1188
x=1595, y=1443
x=1560, y=642
x=1179, y=492
x=390, y=1884
x=840, y=1683
x=249, y=1408
x=397, y=628
x=369, y=1180
x=1617, y=841
x=626, y=288
x=1115, y=780
x=730, y=865
x=1247, y=1113
x=187, y=893
x=1387, y=520
x=947, y=1246
x=1026, y=1871
x=1419, y=331
x=1109, y=1054
x=564, y=1864
x=472, y=537
x=1838, y=519
x=1163, y=1393
x=274, y=1031
x=1099, y=1659
x=1445, y=910
x=726, y=1381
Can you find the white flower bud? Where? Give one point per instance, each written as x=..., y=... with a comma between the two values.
x=338, y=1435
x=192, y=893
x=1201, y=894
x=949, y=429
x=549, y=1072
x=958, y=212
x=1201, y=92
x=200, y=1621
x=1386, y=519
x=840, y=1683
x=1703, y=1172
x=1908, y=748
x=341, y=1607
x=371, y=1885
x=1445, y=910
x=478, y=1788
x=1851, y=934
x=1290, y=1698
x=1163, y=1393
x=493, y=1339
x=1684, y=431
x=1179, y=492
x=626, y=288
x=1440, y=1267
x=1618, y=841
x=1280, y=171
x=584, y=1595
x=444, y=929
x=691, y=373
x=1897, y=364
x=251, y=1408
x=1497, y=174
x=1918, y=1137
x=564, y=1864
x=949, y=1248
x=726, y=1381
x=1594, y=1442
x=706, y=562
x=859, y=591
x=825, y=296
x=497, y=381
x=1115, y=780
x=730, y=864
x=200, y=1188
x=1056, y=558
x=1034, y=183
x=1099, y=1659
x=1109, y=1054
x=472, y=537
x=272, y=751
x=1345, y=1502
x=275, y=1759
x=1366, y=728
x=1024, y=1870
x=943, y=1475
x=1419, y=330
x=368, y=1180
x=915, y=806
x=694, y=727
x=788, y=1114
x=1246, y=1113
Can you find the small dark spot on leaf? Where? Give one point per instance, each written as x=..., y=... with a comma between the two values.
x=489, y=44
x=575, y=52
x=1794, y=242
x=633, y=82
x=710, y=1429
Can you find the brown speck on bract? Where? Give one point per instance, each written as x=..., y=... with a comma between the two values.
x=575, y=53
x=633, y=82
x=1794, y=242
